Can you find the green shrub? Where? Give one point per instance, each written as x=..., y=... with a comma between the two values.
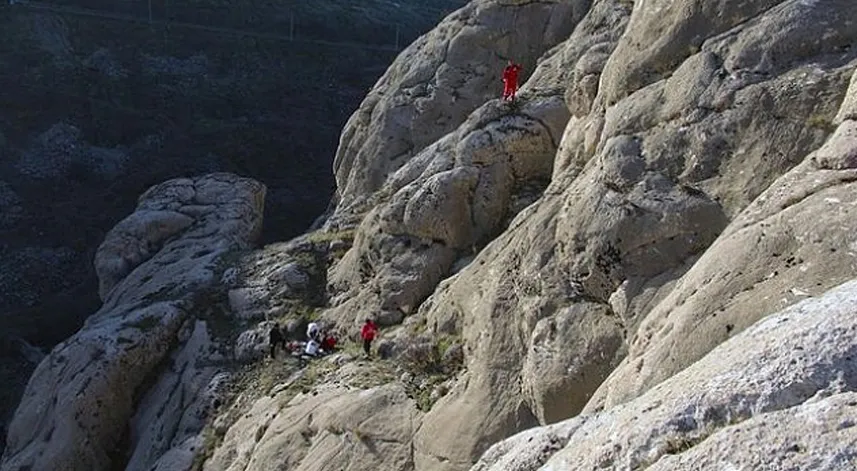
x=820, y=121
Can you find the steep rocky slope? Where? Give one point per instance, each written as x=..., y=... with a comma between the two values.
x=786, y=387
x=621, y=258
x=136, y=380
x=94, y=110
x=664, y=146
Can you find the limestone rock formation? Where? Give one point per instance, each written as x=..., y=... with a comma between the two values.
x=660, y=129
x=337, y=428
x=129, y=386
x=591, y=259
x=793, y=241
x=434, y=85
x=787, y=385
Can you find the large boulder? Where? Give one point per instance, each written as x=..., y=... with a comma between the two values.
x=134, y=240
x=782, y=394
x=130, y=386
x=197, y=218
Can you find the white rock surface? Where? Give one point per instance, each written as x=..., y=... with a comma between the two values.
x=136, y=381
x=780, y=395
x=436, y=82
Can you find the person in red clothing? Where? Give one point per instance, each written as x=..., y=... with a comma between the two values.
x=328, y=343
x=368, y=335
x=510, y=80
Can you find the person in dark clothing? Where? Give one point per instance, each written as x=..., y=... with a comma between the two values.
x=368, y=335
x=275, y=337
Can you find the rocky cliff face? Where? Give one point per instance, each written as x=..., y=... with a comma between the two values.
x=644, y=261
x=780, y=395
x=132, y=386
x=95, y=110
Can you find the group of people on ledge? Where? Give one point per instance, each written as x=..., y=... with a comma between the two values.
x=317, y=343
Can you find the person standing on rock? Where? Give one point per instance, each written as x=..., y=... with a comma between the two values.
x=510, y=80
x=368, y=335
x=275, y=337
x=312, y=331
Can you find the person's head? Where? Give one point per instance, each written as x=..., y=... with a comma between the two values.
x=368, y=321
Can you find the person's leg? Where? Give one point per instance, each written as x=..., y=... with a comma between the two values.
x=273, y=350
x=366, y=345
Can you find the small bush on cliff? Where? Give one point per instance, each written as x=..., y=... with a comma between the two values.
x=430, y=364
x=819, y=121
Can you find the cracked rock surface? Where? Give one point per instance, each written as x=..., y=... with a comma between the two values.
x=132, y=387
x=434, y=84
x=787, y=384
x=635, y=264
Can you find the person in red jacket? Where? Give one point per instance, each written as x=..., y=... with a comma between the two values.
x=328, y=343
x=510, y=80
x=368, y=335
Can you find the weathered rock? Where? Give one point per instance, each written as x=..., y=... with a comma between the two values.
x=133, y=241
x=80, y=398
x=840, y=151
x=248, y=303
x=387, y=349
x=293, y=276
x=848, y=110
x=556, y=375
x=818, y=434
x=253, y=344
x=786, y=386
x=109, y=384
x=331, y=429
x=175, y=409
x=266, y=283
x=437, y=82
x=787, y=245
x=528, y=450
x=444, y=202
x=202, y=216
x=647, y=198
x=613, y=242
x=648, y=173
